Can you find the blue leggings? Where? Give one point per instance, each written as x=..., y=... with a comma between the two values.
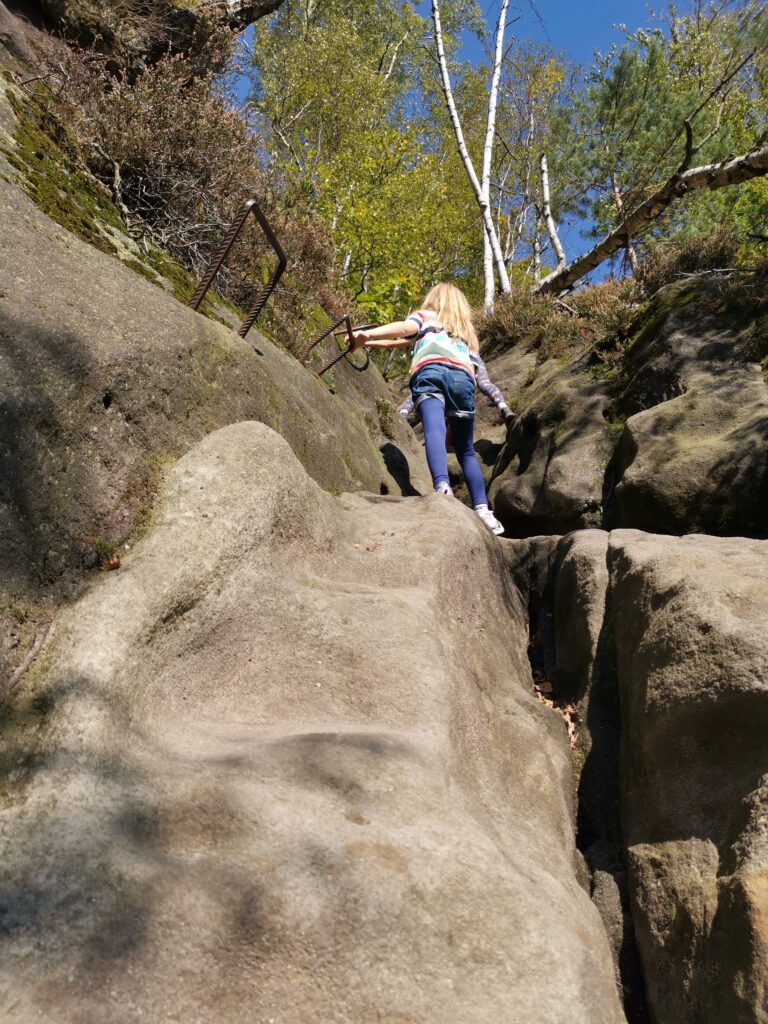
x=432, y=413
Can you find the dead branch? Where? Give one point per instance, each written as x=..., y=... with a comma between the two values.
x=732, y=171
x=37, y=646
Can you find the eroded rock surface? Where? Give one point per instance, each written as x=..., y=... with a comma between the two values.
x=549, y=476
x=106, y=377
x=286, y=765
x=690, y=618
x=673, y=438
x=694, y=455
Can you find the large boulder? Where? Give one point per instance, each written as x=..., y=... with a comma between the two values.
x=286, y=765
x=689, y=616
x=669, y=436
x=658, y=645
x=694, y=454
x=106, y=377
x=565, y=580
x=549, y=476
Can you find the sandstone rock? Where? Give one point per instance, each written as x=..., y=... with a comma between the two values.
x=549, y=477
x=566, y=581
x=13, y=37
x=692, y=662
x=286, y=765
x=581, y=583
x=106, y=377
x=694, y=457
x=137, y=34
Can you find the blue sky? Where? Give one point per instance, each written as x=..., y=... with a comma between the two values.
x=575, y=28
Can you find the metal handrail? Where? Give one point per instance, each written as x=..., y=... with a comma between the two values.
x=345, y=352
x=217, y=261
x=251, y=206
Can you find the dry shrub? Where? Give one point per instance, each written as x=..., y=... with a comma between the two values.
x=180, y=160
x=609, y=307
x=535, y=320
x=177, y=156
x=136, y=33
x=668, y=261
x=600, y=314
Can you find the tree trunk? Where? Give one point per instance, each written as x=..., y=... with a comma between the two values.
x=618, y=202
x=490, y=132
x=482, y=201
x=238, y=14
x=546, y=213
x=733, y=171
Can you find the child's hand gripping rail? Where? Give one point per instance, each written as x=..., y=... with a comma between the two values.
x=345, y=353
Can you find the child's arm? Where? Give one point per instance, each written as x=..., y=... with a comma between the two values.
x=488, y=388
x=394, y=335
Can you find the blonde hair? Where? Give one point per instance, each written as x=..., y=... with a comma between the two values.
x=452, y=312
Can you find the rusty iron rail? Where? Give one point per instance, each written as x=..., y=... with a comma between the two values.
x=345, y=353
x=217, y=260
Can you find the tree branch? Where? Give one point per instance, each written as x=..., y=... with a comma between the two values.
x=732, y=171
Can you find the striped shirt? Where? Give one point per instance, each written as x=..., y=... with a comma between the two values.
x=433, y=344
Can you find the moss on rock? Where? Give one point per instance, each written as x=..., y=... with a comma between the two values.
x=45, y=158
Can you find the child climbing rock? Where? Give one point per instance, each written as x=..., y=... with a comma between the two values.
x=442, y=380
x=483, y=383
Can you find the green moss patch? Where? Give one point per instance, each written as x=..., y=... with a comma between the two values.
x=46, y=161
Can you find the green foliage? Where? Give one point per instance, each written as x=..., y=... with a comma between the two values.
x=106, y=548
x=338, y=90
x=627, y=125
x=346, y=142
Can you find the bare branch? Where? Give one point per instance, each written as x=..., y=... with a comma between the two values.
x=394, y=57
x=732, y=171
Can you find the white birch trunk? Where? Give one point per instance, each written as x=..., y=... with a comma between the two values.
x=732, y=171
x=485, y=180
x=536, y=252
x=489, y=280
x=482, y=201
x=618, y=202
x=546, y=212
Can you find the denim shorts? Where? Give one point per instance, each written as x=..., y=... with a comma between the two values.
x=454, y=388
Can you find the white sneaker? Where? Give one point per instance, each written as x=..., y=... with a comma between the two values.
x=444, y=489
x=489, y=519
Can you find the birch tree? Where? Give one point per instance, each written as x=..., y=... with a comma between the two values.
x=732, y=171
x=660, y=118
x=493, y=252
